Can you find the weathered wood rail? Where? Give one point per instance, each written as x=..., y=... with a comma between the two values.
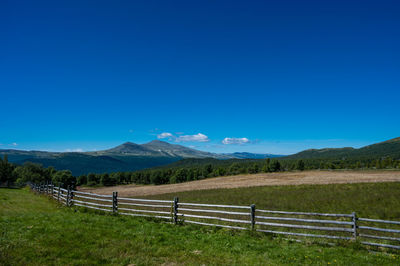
x=295, y=224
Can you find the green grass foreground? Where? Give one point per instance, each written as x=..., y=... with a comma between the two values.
x=37, y=231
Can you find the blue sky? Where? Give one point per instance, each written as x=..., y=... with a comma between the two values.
x=221, y=76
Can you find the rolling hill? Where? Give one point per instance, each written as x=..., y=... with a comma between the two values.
x=387, y=148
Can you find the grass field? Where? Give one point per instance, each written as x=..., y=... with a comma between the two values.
x=37, y=231
x=254, y=180
x=372, y=200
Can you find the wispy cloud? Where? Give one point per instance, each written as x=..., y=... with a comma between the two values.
x=154, y=130
x=237, y=141
x=193, y=138
x=14, y=144
x=165, y=135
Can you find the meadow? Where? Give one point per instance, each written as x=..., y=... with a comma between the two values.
x=37, y=231
x=372, y=200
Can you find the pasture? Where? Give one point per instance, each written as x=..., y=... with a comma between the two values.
x=37, y=231
x=373, y=200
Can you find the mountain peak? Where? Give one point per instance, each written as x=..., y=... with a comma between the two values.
x=157, y=142
x=128, y=147
x=128, y=143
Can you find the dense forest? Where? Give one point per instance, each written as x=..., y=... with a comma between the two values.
x=181, y=171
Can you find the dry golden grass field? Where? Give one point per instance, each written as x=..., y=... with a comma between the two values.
x=264, y=179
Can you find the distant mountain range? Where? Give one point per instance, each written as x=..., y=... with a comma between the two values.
x=125, y=157
x=130, y=156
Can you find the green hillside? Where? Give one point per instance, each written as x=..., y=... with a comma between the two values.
x=389, y=148
x=80, y=163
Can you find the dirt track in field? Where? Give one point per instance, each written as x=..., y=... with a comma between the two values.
x=264, y=179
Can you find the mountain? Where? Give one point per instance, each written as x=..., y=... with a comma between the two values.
x=125, y=157
x=387, y=148
x=174, y=150
x=128, y=148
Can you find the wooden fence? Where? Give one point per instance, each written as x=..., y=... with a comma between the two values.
x=296, y=224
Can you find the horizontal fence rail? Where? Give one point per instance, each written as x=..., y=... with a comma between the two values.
x=146, y=208
x=371, y=232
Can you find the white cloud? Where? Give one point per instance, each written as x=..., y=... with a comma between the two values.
x=14, y=144
x=164, y=135
x=193, y=138
x=239, y=141
x=184, y=138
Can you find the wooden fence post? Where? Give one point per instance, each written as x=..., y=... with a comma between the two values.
x=115, y=202
x=355, y=226
x=176, y=200
x=71, y=196
x=68, y=195
x=59, y=191
x=253, y=216
x=52, y=190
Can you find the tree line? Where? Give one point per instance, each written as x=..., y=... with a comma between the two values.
x=186, y=170
x=191, y=172
x=20, y=175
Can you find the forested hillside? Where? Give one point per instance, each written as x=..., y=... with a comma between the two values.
x=389, y=148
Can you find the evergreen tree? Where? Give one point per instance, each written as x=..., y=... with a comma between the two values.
x=81, y=180
x=91, y=179
x=105, y=180
x=275, y=166
x=6, y=172
x=300, y=165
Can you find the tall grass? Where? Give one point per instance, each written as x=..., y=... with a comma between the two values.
x=375, y=200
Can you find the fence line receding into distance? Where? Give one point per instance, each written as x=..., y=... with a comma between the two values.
x=303, y=224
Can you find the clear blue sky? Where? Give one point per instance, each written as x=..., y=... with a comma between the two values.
x=281, y=76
